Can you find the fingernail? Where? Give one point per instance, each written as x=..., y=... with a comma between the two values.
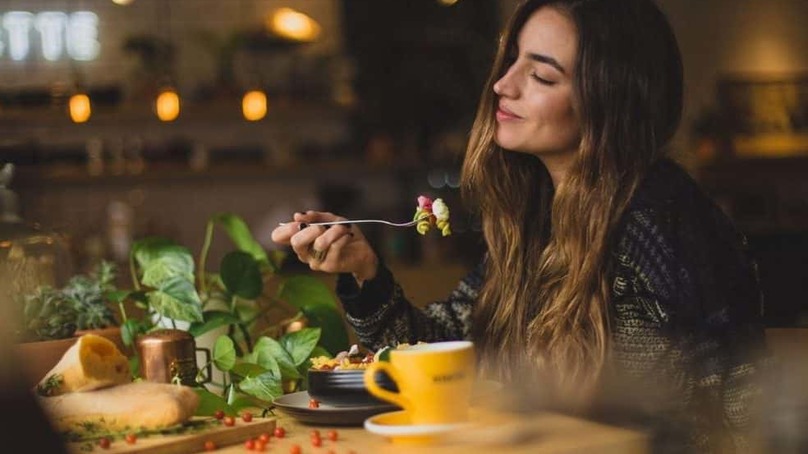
x=303, y=225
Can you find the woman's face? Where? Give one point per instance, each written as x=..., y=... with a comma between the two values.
x=536, y=112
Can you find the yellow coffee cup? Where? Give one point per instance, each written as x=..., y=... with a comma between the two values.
x=434, y=381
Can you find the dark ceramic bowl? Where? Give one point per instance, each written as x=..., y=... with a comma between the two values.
x=346, y=388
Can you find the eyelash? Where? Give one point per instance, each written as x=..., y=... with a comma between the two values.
x=538, y=79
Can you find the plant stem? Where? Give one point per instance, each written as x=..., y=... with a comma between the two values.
x=203, y=256
x=132, y=272
x=247, y=340
x=123, y=311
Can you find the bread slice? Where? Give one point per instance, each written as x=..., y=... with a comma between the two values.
x=93, y=362
x=133, y=406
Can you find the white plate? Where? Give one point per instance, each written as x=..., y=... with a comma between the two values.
x=397, y=427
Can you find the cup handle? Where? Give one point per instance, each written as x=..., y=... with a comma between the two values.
x=208, y=365
x=378, y=391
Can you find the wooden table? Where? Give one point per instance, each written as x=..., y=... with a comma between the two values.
x=539, y=433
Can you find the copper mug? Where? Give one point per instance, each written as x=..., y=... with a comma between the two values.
x=169, y=355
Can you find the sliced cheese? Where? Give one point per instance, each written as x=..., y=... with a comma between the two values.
x=133, y=406
x=93, y=362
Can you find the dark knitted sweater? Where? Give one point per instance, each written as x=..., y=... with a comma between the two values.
x=685, y=314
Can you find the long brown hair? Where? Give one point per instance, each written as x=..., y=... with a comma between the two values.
x=547, y=283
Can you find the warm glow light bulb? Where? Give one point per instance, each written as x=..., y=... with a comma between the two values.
x=168, y=105
x=294, y=25
x=122, y=2
x=254, y=105
x=80, y=108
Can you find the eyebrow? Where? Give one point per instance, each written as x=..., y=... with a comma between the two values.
x=547, y=60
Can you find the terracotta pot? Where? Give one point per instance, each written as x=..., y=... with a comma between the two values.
x=37, y=358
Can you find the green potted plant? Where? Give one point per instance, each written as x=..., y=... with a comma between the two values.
x=256, y=356
x=52, y=318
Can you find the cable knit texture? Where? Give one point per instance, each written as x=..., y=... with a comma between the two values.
x=687, y=338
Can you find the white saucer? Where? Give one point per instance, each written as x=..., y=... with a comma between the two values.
x=396, y=426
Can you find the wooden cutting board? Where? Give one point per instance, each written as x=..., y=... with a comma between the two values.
x=220, y=435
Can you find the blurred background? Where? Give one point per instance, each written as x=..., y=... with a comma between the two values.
x=131, y=118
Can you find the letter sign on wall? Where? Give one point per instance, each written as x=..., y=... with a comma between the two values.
x=58, y=34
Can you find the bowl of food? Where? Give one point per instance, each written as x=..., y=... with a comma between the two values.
x=340, y=381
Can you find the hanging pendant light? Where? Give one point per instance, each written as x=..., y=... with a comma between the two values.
x=167, y=105
x=254, y=105
x=80, y=108
x=293, y=25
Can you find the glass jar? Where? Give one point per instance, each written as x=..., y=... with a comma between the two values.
x=30, y=256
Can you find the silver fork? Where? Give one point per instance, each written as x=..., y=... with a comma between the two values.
x=367, y=221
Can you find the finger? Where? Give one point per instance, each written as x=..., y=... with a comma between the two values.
x=334, y=261
x=283, y=233
x=324, y=241
x=302, y=240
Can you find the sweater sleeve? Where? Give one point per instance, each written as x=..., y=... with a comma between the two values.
x=381, y=315
x=688, y=307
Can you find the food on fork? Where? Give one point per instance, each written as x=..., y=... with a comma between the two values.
x=429, y=213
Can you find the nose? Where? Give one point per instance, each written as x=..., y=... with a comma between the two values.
x=505, y=86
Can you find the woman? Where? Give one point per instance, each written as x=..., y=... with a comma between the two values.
x=607, y=268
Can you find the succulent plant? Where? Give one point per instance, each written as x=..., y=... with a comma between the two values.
x=87, y=295
x=51, y=313
x=48, y=315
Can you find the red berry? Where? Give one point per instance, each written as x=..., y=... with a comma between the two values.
x=314, y=403
x=246, y=416
x=131, y=438
x=260, y=445
x=332, y=435
x=280, y=432
x=249, y=445
x=264, y=437
x=104, y=442
x=229, y=421
x=316, y=442
x=295, y=449
x=210, y=446
x=219, y=414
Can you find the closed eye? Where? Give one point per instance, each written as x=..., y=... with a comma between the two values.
x=542, y=80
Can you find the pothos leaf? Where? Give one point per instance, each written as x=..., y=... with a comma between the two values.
x=240, y=234
x=177, y=299
x=264, y=359
x=284, y=360
x=241, y=275
x=300, y=344
x=211, y=321
x=266, y=386
x=313, y=297
x=160, y=258
x=224, y=353
x=210, y=402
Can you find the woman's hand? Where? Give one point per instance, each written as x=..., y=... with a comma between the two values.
x=334, y=249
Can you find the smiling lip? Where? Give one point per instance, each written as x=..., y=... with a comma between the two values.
x=504, y=114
